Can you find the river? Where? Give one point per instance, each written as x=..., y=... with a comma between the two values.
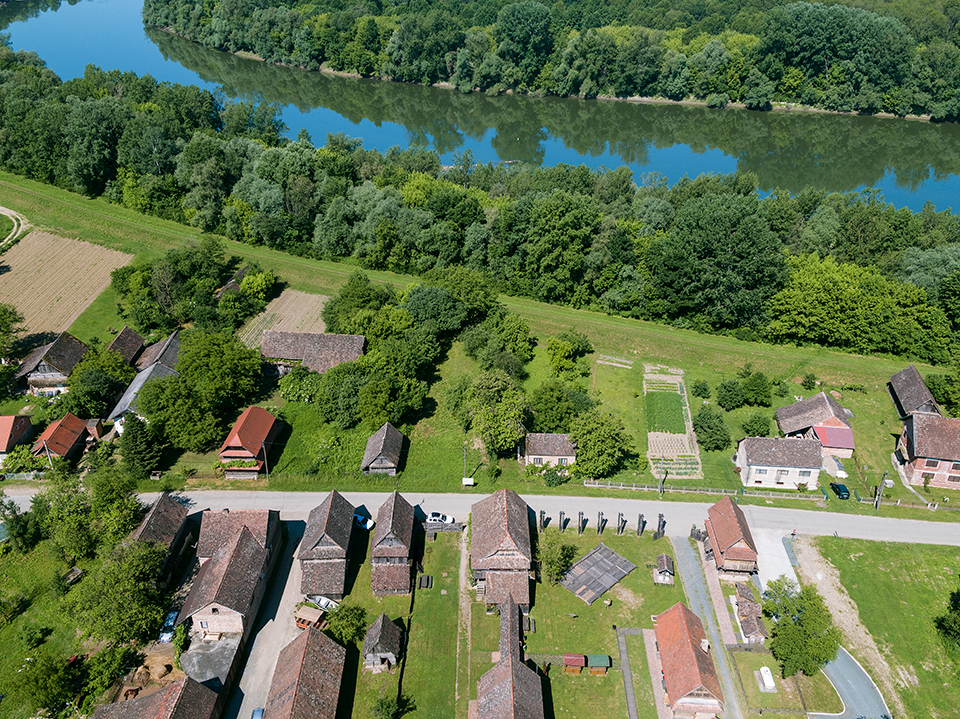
x=912, y=162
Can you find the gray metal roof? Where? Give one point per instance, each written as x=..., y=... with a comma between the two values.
x=128, y=403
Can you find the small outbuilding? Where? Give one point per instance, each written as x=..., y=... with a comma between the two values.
x=308, y=617
x=574, y=663
x=383, y=452
x=598, y=663
x=910, y=393
x=663, y=573
x=62, y=438
x=245, y=450
x=729, y=541
x=128, y=344
x=382, y=645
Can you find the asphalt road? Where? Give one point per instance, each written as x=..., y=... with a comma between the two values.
x=861, y=698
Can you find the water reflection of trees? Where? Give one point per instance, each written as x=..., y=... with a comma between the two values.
x=787, y=150
x=11, y=12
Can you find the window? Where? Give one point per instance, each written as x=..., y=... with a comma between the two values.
x=956, y=467
x=759, y=481
x=538, y=460
x=932, y=463
x=782, y=472
x=760, y=471
x=926, y=475
x=214, y=610
x=203, y=625
x=953, y=478
x=563, y=460
x=804, y=472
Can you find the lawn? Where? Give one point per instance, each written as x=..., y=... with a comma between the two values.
x=899, y=589
x=817, y=692
x=664, y=412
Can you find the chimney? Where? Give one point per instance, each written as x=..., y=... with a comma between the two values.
x=705, y=646
x=226, y=511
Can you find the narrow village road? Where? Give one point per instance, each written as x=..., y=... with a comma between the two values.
x=861, y=697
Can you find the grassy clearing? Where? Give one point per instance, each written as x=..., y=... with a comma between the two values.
x=642, y=689
x=819, y=694
x=664, y=412
x=787, y=696
x=899, y=589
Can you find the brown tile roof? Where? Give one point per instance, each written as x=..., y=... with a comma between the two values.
x=393, y=533
x=911, y=393
x=317, y=352
x=553, y=445
x=230, y=577
x=185, y=699
x=165, y=352
x=500, y=533
x=60, y=437
x=687, y=667
x=217, y=528
x=13, y=427
x=390, y=577
x=748, y=608
x=727, y=526
x=781, y=452
x=753, y=626
x=511, y=629
x=383, y=637
x=63, y=353
x=744, y=592
x=800, y=415
x=328, y=530
x=511, y=690
x=934, y=436
x=507, y=586
x=306, y=680
x=162, y=523
x=251, y=431
x=386, y=441
x=127, y=344
x=665, y=563
x=323, y=576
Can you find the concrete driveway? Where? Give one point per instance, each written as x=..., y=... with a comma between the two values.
x=861, y=698
x=274, y=630
x=772, y=558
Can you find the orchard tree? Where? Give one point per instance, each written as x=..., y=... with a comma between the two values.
x=602, y=443
x=711, y=430
x=552, y=409
x=756, y=425
x=730, y=395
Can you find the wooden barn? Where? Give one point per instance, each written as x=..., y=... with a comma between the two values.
x=382, y=645
x=384, y=451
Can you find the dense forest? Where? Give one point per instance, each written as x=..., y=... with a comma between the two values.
x=839, y=269
x=836, y=57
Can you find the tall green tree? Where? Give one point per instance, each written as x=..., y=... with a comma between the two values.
x=602, y=444
x=804, y=637
x=139, y=446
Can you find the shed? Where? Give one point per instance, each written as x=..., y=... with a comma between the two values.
x=308, y=617
x=574, y=663
x=664, y=571
x=598, y=663
x=316, y=351
x=382, y=645
x=910, y=393
x=384, y=448
x=128, y=344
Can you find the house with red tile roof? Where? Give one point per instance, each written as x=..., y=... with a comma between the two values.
x=500, y=552
x=543, y=449
x=929, y=450
x=61, y=438
x=184, y=699
x=821, y=418
x=689, y=675
x=729, y=541
x=245, y=451
x=306, y=680
x=392, y=553
x=14, y=429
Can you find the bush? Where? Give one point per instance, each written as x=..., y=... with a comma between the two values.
x=701, y=389
x=348, y=623
x=756, y=425
x=809, y=381
x=32, y=635
x=180, y=643
x=730, y=395
x=718, y=100
x=757, y=390
x=780, y=389
x=711, y=430
x=553, y=478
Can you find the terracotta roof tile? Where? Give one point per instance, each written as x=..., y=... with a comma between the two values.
x=500, y=532
x=687, y=667
x=13, y=428
x=316, y=351
x=306, y=680
x=185, y=699
x=730, y=526
x=60, y=437
x=127, y=344
x=217, y=528
x=251, y=431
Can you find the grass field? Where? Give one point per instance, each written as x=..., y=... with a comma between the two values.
x=817, y=692
x=664, y=412
x=899, y=589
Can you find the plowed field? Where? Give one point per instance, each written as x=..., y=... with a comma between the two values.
x=292, y=311
x=51, y=279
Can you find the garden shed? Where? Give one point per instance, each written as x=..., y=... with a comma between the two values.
x=383, y=452
x=574, y=663
x=598, y=663
x=663, y=573
x=382, y=645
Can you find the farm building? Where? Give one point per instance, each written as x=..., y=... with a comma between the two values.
x=128, y=344
x=245, y=451
x=729, y=542
x=46, y=369
x=228, y=589
x=165, y=524
x=218, y=527
x=749, y=616
x=689, y=675
x=664, y=572
x=549, y=450
x=392, y=554
x=819, y=418
x=306, y=680
x=165, y=352
x=574, y=663
x=325, y=547
x=381, y=645
x=500, y=554
x=184, y=699
x=384, y=451
x=128, y=402
x=910, y=393
x=62, y=438
x=929, y=450
x=14, y=429
x=778, y=462
x=316, y=351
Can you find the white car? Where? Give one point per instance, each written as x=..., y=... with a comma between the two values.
x=363, y=522
x=166, y=631
x=327, y=605
x=439, y=518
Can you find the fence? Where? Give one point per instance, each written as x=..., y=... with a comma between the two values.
x=9, y=476
x=696, y=490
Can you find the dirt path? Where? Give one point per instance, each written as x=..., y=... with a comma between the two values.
x=814, y=569
x=20, y=225
x=464, y=620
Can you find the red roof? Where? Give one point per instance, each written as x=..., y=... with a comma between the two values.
x=838, y=437
x=12, y=429
x=61, y=436
x=727, y=526
x=251, y=431
x=574, y=660
x=684, y=654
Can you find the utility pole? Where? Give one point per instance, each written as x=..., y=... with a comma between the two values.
x=263, y=448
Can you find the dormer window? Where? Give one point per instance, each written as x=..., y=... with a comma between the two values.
x=214, y=610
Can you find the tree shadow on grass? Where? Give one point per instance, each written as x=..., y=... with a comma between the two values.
x=348, y=682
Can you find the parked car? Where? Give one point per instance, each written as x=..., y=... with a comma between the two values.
x=439, y=518
x=363, y=522
x=840, y=490
x=325, y=604
x=166, y=631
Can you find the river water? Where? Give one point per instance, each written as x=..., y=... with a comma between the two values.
x=911, y=162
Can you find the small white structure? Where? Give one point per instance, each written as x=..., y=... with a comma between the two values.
x=779, y=463
x=766, y=676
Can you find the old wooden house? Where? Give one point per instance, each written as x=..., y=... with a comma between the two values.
x=325, y=548
x=306, y=680
x=729, y=542
x=393, y=547
x=384, y=451
x=689, y=674
x=246, y=450
x=382, y=645
x=62, y=438
x=45, y=370
x=500, y=553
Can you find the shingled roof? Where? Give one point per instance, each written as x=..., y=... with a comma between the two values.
x=128, y=402
x=13, y=427
x=162, y=523
x=934, y=437
x=550, y=444
x=328, y=530
x=63, y=354
x=229, y=578
x=184, y=699
x=687, y=665
x=166, y=352
x=127, y=344
x=727, y=526
x=383, y=637
x=60, y=437
x=250, y=431
x=217, y=528
x=316, y=351
x=511, y=690
x=911, y=394
x=500, y=534
x=386, y=441
x=393, y=533
x=801, y=415
x=306, y=680
x=780, y=452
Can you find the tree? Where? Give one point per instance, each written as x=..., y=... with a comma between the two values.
x=554, y=556
x=9, y=321
x=22, y=529
x=701, y=389
x=809, y=381
x=46, y=681
x=92, y=393
x=948, y=625
x=602, y=443
x=139, y=446
x=552, y=408
x=756, y=425
x=66, y=517
x=122, y=601
x=348, y=623
x=711, y=430
x=757, y=391
x=804, y=637
x=730, y=395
